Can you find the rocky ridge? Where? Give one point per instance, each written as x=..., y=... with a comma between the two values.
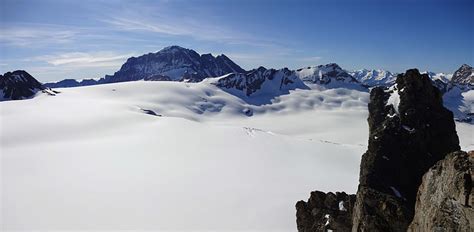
x=19, y=85
x=174, y=63
x=409, y=131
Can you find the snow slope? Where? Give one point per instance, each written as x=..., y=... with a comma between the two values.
x=461, y=102
x=95, y=158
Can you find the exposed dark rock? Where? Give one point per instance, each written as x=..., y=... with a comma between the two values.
x=150, y=112
x=266, y=83
x=409, y=131
x=405, y=141
x=18, y=85
x=440, y=200
x=325, y=211
x=176, y=63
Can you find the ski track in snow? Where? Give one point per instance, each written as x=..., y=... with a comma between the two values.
x=97, y=158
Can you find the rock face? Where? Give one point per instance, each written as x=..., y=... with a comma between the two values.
x=261, y=82
x=463, y=76
x=18, y=85
x=174, y=63
x=440, y=199
x=409, y=131
x=325, y=211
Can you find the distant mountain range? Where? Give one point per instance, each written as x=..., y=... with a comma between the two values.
x=175, y=63
x=257, y=86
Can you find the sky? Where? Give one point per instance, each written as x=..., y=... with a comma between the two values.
x=55, y=40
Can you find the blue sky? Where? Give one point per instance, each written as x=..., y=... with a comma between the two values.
x=61, y=39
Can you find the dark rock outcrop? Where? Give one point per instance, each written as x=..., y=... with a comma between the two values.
x=409, y=132
x=325, y=211
x=406, y=139
x=18, y=85
x=440, y=200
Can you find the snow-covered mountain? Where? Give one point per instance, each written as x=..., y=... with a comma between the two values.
x=374, y=77
x=174, y=63
x=260, y=85
x=328, y=76
x=19, y=85
x=459, y=94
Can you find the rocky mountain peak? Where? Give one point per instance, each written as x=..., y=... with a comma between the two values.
x=266, y=83
x=410, y=130
x=174, y=49
x=18, y=85
x=463, y=76
x=174, y=63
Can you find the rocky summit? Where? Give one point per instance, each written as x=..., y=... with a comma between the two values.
x=174, y=63
x=409, y=132
x=464, y=75
x=18, y=85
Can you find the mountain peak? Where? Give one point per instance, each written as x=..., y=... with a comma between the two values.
x=333, y=65
x=326, y=74
x=173, y=48
x=18, y=85
x=174, y=63
x=464, y=66
x=463, y=76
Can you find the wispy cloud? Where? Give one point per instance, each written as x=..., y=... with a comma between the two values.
x=83, y=59
x=172, y=21
x=26, y=35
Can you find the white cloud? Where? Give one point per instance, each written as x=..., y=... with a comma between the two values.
x=83, y=59
x=175, y=23
x=26, y=35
